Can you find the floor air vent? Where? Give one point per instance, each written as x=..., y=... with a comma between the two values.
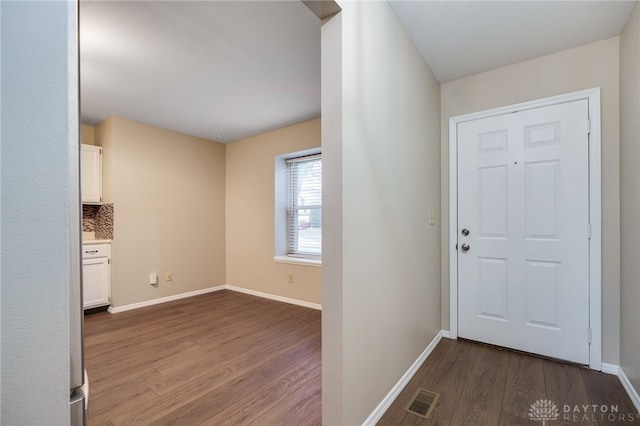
x=422, y=403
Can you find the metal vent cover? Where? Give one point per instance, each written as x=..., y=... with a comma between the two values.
x=422, y=403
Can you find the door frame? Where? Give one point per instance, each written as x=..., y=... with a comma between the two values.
x=595, y=210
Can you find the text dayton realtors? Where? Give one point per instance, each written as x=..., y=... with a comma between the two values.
x=594, y=412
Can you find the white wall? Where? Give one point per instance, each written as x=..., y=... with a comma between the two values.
x=584, y=67
x=388, y=307
x=630, y=197
x=39, y=81
x=332, y=332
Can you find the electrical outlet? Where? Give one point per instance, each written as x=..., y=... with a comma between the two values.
x=168, y=276
x=291, y=277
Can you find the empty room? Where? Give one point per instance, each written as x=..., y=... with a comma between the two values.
x=317, y=212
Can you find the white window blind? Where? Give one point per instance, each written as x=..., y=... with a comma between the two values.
x=304, y=211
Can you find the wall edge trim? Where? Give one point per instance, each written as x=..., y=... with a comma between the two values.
x=275, y=297
x=626, y=384
x=160, y=300
x=386, y=402
x=612, y=369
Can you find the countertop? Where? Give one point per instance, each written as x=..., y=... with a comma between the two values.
x=87, y=242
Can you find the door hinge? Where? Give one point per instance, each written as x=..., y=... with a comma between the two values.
x=589, y=335
x=456, y=247
x=588, y=126
x=589, y=231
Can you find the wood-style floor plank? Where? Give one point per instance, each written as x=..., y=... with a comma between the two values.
x=314, y=419
x=451, y=384
x=220, y=358
x=565, y=386
x=606, y=391
x=230, y=358
x=525, y=383
x=289, y=411
x=439, y=361
x=252, y=407
x=483, y=385
x=481, y=401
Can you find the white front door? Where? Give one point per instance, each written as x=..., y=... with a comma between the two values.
x=523, y=197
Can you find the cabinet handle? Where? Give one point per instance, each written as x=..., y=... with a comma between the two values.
x=91, y=251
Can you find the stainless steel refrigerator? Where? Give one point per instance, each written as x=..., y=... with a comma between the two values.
x=78, y=382
x=78, y=386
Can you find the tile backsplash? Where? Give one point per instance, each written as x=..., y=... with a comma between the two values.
x=104, y=222
x=98, y=219
x=89, y=213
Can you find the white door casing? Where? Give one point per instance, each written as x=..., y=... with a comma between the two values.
x=525, y=182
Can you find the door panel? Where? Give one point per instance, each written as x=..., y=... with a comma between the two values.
x=494, y=287
x=541, y=292
x=541, y=199
x=492, y=194
x=523, y=193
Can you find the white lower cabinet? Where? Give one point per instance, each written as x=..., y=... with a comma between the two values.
x=95, y=275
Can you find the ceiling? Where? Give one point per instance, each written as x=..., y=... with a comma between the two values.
x=226, y=70
x=221, y=70
x=462, y=38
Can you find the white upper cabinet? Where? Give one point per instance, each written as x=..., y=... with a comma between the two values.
x=91, y=174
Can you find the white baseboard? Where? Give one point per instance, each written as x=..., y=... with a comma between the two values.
x=164, y=299
x=610, y=368
x=633, y=394
x=384, y=405
x=624, y=380
x=446, y=334
x=275, y=297
x=211, y=290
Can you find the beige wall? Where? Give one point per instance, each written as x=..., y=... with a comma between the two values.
x=630, y=197
x=585, y=67
x=387, y=308
x=168, y=191
x=88, y=134
x=250, y=178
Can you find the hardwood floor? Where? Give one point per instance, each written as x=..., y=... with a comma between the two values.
x=483, y=385
x=229, y=358
x=219, y=358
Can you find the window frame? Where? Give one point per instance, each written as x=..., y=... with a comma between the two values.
x=281, y=217
x=293, y=208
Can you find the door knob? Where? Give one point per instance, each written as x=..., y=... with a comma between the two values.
x=465, y=248
x=465, y=232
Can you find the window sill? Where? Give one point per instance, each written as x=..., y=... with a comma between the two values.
x=298, y=261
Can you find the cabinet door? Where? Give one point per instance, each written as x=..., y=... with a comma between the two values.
x=91, y=174
x=95, y=282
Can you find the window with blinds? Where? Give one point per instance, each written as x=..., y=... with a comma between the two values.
x=304, y=210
